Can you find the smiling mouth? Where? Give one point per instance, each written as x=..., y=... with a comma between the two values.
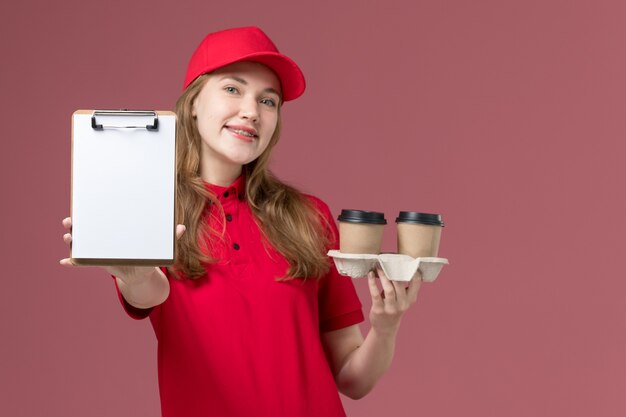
x=242, y=132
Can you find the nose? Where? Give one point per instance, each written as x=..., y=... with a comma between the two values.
x=249, y=109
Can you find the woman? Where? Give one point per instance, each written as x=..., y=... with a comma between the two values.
x=253, y=319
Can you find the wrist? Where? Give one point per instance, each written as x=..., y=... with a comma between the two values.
x=138, y=276
x=386, y=332
x=144, y=289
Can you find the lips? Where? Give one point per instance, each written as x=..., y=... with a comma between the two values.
x=243, y=130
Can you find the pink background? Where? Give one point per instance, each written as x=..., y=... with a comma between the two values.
x=506, y=117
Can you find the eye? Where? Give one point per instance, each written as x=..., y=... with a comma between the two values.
x=269, y=102
x=230, y=89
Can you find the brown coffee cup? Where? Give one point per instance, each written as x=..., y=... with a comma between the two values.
x=419, y=234
x=361, y=231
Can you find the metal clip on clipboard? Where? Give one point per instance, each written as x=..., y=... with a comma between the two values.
x=137, y=113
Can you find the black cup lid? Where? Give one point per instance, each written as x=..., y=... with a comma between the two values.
x=360, y=216
x=420, y=218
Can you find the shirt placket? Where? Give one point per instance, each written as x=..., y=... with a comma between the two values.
x=230, y=203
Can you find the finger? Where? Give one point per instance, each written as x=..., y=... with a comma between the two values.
x=400, y=289
x=67, y=238
x=414, y=287
x=377, y=299
x=67, y=222
x=180, y=230
x=390, y=292
x=66, y=262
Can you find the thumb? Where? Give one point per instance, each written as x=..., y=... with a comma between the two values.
x=180, y=230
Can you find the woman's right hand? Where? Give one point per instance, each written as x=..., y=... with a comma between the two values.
x=128, y=274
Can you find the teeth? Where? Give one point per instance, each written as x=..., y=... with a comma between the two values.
x=243, y=132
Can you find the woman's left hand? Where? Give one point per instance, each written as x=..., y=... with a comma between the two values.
x=390, y=304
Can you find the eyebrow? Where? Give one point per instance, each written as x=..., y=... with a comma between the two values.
x=244, y=82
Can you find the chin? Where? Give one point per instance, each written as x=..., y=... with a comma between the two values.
x=242, y=160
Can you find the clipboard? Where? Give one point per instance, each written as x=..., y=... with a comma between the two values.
x=123, y=187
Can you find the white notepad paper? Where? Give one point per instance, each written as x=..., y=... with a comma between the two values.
x=123, y=189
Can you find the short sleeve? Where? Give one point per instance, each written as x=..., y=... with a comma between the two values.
x=339, y=304
x=132, y=311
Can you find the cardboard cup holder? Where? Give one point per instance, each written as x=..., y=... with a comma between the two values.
x=397, y=267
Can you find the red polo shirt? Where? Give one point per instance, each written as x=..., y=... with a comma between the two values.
x=239, y=343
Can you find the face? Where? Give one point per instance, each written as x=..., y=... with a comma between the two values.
x=237, y=113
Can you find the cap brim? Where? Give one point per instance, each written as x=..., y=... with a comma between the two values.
x=291, y=77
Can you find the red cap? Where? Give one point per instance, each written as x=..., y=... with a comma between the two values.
x=245, y=44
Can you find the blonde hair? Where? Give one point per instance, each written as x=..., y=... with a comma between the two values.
x=288, y=220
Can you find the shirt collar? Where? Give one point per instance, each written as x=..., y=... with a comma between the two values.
x=235, y=190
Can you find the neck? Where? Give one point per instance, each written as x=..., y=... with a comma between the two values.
x=219, y=173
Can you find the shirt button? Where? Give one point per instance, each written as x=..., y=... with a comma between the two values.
x=236, y=246
x=229, y=217
x=225, y=194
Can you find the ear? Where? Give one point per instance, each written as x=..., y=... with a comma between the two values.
x=194, y=110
